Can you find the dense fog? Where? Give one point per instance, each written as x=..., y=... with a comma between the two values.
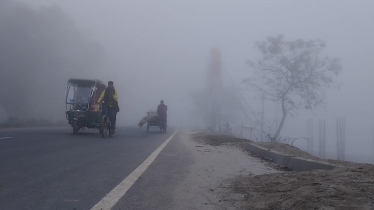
x=155, y=50
x=40, y=49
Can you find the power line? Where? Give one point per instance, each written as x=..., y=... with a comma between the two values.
x=240, y=107
x=237, y=89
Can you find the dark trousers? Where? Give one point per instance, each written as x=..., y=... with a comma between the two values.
x=163, y=122
x=112, y=114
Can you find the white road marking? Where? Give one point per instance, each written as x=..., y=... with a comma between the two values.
x=120, y=190
x=6, y=137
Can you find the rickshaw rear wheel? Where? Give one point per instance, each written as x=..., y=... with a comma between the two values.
x=75, y=127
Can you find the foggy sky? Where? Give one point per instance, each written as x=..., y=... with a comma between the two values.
x=39, y=50
x=156, y=50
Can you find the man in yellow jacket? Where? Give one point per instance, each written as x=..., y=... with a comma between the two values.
x=110, y=105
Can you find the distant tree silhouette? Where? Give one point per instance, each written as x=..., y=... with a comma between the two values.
x=292, y=73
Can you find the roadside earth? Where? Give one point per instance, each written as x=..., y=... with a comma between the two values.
x=348, y=186
x=212, y=174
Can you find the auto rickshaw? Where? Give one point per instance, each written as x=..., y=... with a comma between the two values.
x=82, y=110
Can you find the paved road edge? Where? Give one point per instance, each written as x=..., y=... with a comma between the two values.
x=120, y=190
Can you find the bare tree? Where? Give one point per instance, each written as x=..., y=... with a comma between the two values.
x=293, y=73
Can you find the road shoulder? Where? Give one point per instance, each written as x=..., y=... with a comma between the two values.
x=212, y=173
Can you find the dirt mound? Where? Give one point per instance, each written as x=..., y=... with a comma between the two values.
x=348, y=186
x=216, y=139
x=285, y=149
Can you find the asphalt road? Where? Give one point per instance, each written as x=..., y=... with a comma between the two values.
x=50, y=168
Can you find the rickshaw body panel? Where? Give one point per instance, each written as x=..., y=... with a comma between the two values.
x=153, y=122
x=82, y=110
x=85, y=118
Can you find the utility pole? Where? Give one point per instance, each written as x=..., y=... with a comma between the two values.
x=262, y=117
x=373, y=145
x=340, y=133
x=322, y=139
x=310, y=136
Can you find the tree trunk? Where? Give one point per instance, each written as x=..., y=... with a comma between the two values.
x=284, y=112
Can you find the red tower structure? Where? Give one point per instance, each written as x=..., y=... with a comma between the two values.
x=215, y=89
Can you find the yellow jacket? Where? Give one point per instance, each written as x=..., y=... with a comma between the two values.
x=115, y=96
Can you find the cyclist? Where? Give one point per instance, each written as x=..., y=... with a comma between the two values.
x=110, y=105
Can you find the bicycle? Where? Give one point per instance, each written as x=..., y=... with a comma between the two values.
x=105, y=127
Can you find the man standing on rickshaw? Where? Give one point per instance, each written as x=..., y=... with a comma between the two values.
x=110, y=105
x=161, y=112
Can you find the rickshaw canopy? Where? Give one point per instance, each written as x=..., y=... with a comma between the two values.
x=80, y=91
